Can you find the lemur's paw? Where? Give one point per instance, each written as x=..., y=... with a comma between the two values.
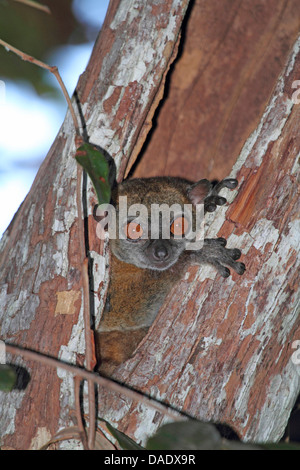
x=215, y=253
x=213, y=199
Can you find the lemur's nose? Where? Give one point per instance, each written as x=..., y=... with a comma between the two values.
x=160, y=253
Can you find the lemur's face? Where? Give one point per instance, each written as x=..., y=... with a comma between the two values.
x=157, y=222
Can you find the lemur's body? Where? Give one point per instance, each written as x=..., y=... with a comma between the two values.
x=143, y=270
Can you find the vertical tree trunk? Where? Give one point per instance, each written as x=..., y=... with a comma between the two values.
x=224, y=350
x=230, y=57
x=41, y=285
x=220, y=350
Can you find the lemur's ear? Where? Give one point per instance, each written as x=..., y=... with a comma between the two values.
x=199, y=191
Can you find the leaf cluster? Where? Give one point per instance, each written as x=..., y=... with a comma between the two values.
x=193, y=435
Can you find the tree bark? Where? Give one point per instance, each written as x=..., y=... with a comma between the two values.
x=41, y=282
x=230, y=57
x=223, y=350
x=219, y=350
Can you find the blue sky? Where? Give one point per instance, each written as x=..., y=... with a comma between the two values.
x=36, y=120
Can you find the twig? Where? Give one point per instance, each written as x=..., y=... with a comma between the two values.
x=52, y=69
x=81, y=429
x=105, y=382
x=89, y=355
x=72, y=432
x=86, y=313
x=36, y=5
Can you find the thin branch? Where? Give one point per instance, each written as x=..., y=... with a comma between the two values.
x=55, y=72
x=89, y=355
x=36, y=5
x=81, y=429
x=64, y=434
x=52, y=69
x=86, y=313
x=105, y=382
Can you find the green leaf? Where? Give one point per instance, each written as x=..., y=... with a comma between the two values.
x=8, y=378
x=185, y=435
x=193, y=435
x=96, y=166
x=125, y=441
x=281, y=446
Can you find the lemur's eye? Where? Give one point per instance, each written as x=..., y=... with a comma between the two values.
x=133, y=230
x=179, y=226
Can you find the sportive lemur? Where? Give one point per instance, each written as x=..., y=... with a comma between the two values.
x=144, y=269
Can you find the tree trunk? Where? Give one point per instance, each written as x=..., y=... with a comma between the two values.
x=229, y=60
x=41, y=282
x=224, y=350
x=219, y=350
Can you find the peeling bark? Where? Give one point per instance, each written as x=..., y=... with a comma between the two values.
x=219, y=350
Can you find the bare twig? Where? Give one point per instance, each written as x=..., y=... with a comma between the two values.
x=52, y=69
x=86, y=313
x=64, y=434
x=81, y=429
x=36, y=5
x=89, y=355
x=105, y=382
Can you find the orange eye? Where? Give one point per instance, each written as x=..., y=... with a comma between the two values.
x=133, y=230
x=179, y=226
